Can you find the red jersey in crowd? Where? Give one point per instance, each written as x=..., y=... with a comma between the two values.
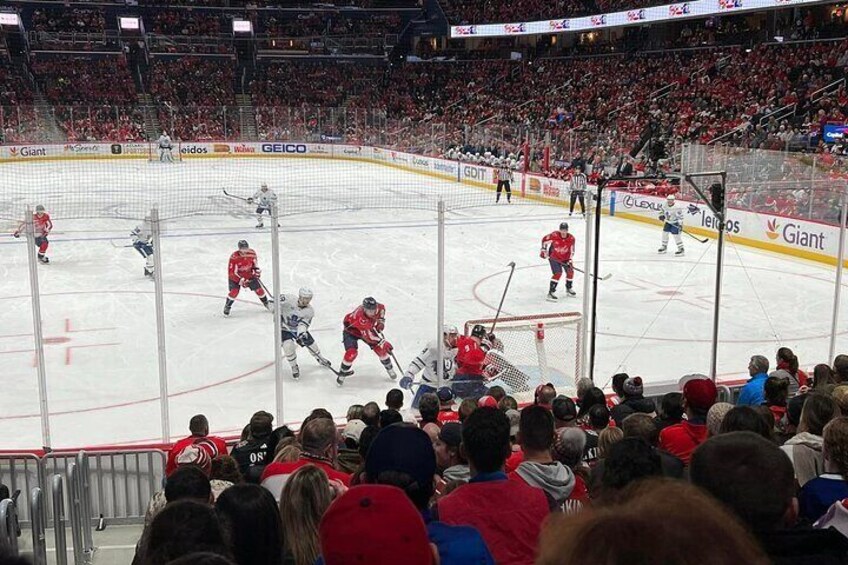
x=276, y=475
x=559, y=248
x=681, y=439
x=215, y=445
x=243, y=265
x=361, y=325
x=470, y=357
x=448, y=415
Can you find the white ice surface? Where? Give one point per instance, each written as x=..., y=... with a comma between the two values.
x=98, y=310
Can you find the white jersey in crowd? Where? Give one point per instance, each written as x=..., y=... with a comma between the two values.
x=427, y=361
x=164, y=141
x=295, y=319
x=265, y=198
x=142, y=233
x=673, y=214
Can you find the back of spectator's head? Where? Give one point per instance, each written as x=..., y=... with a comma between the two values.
x=671, y=406
x=823, y=375
x=593, y=397
x=750, y=475
x=747, y=419
x=716, y=415
x=354, y=412
x=428, y=407
x=627, y=461
x=485, y=440
x=583, y=385
x=497, y=392
x=201, y=558
x=840, y=368
x=225, y=468
x=352, y=432
x=316, y=414
x=840, y=395
x=394, y=399
x=508, y=403
x=371, y=414
x=403, y=457
x=249, y=515
x=607, y=438
x=835, y=446
x=536, y=429
x=375, y=524
x=569, y=446
x=305, y=498
x=640, y=425
x=618, y=383
x=599, y=416
x=487, y=402
x=261, y=424
x=365, y=438
x=818, y=410
x=758, y=364
x=617, y=533
x=446, y=396
x=466, y=407
x=198, y=425
x=786, y=355
x=183, y=528
x=699, y=395
x=564, y=411
x=319, y=437
x=514, y=417
x=545, y=394
x=188, y=482
x=388, y=417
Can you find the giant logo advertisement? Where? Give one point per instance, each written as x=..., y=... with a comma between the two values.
x=796, y=233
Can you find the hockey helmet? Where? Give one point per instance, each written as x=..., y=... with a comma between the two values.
x=304, y=296
x=478, y=331
x=564, y=226
x=264, y=186
x=243, y=245
x=369, y=304
x=670, y=199
x=39, y=208
x=449, y=329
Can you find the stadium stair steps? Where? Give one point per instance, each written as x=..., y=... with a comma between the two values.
x=114, y=546
x=151, y=117
x=247, y=117
x=44, y=116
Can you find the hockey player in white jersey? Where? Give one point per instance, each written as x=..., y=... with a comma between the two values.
x=165, y=147
x=672, y=217
x=427, y=363
x=265, y=199
x=142, y=241
x=296, y=315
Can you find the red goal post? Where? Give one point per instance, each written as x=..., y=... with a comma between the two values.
x=535, y=349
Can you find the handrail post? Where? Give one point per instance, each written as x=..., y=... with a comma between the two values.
x=74, y=513
x=59, y=520
x=85, y=502
x=39, y=528
x=8, y=528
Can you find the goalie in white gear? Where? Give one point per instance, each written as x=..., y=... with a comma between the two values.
x=142, y=241
x=672, y=217
x=265, y=199
x=165, y=147
x=427, y=363
x=296, y=315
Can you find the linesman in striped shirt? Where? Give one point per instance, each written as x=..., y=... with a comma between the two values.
x=504, y=180
x=578, y=192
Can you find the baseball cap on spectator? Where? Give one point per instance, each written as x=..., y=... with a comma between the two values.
x=372, y=524
x=690, y=377
x=353, y=430
x=402, y=449
x=633, y=386
x=195, y=455
x=564, y=409
x=487, y=402
x=451, y=434
x=445, y=394
x=700, y=394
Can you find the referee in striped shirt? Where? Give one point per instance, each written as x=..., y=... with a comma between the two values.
x=578, y=191
x=504, y=180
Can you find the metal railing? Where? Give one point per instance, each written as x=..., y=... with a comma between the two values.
x=8, y=527
x=39, y=527
x=57, y=490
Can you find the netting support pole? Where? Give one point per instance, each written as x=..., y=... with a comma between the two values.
x=32, y=262
x=840, y=262
x=595, y=257
x=440, y=286
x=159, y=295
x=588, y=247
x=278, y=336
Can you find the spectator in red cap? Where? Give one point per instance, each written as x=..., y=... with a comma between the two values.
x=508, y=514
x=681, y=439
x=199, y=428
x=487, y=402
x=375, y=524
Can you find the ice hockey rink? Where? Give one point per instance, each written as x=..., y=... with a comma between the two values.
x=654, y=312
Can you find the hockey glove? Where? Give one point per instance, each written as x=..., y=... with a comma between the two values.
x=405, y=383
x=543, y=253
x=16, y=235
x=302, y=339
x=250, y=200
x=662, y=218
x=257, y=272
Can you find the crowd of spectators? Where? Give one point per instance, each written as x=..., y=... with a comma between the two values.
x=16, y=112
x=69, y=20
x=183, y=22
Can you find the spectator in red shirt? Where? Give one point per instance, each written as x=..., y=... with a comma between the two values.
x=680, y=440
x=199, y=428
x=508, y=514
x=446, y=411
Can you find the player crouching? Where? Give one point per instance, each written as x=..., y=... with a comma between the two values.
x=42, y=224
x=296, y=314
x=672, y=218
x=366, y=323
x=558, y=249
x=471, y=350
x=244, y=272
x=427, y=363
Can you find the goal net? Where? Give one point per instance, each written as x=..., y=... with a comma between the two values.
x=532, y=350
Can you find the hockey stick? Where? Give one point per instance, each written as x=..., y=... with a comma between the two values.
x=391, y=352
x=696, y=238
x=579, y=270
x=249, y=201
x=511, y=266
x=115, y=245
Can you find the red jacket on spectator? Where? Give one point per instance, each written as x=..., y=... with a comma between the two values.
x=681, y=439
x=508, y=514
x=215, y=442
x=275, y=475
x=445, y=416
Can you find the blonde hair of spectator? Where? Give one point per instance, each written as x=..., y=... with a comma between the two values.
x=608, y=437
x=288, y=453
x=835, y=446
x=305, y=498
x=628, y=531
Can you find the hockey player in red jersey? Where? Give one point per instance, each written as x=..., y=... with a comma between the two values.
x=42, y=225
x=244, y=272
x=558, y=249
x=471, y=350
x=366, y=323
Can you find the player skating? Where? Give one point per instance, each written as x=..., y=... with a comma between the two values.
x=296, y=314
x=164, y=145
x=265, y=199
x=672, y=217
x=142, y=241
x=427, y=363
x=471, y=350
x=366, y=323
x=42, y=225
x=504, y=180
x=244, y=271
x=558, y=249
